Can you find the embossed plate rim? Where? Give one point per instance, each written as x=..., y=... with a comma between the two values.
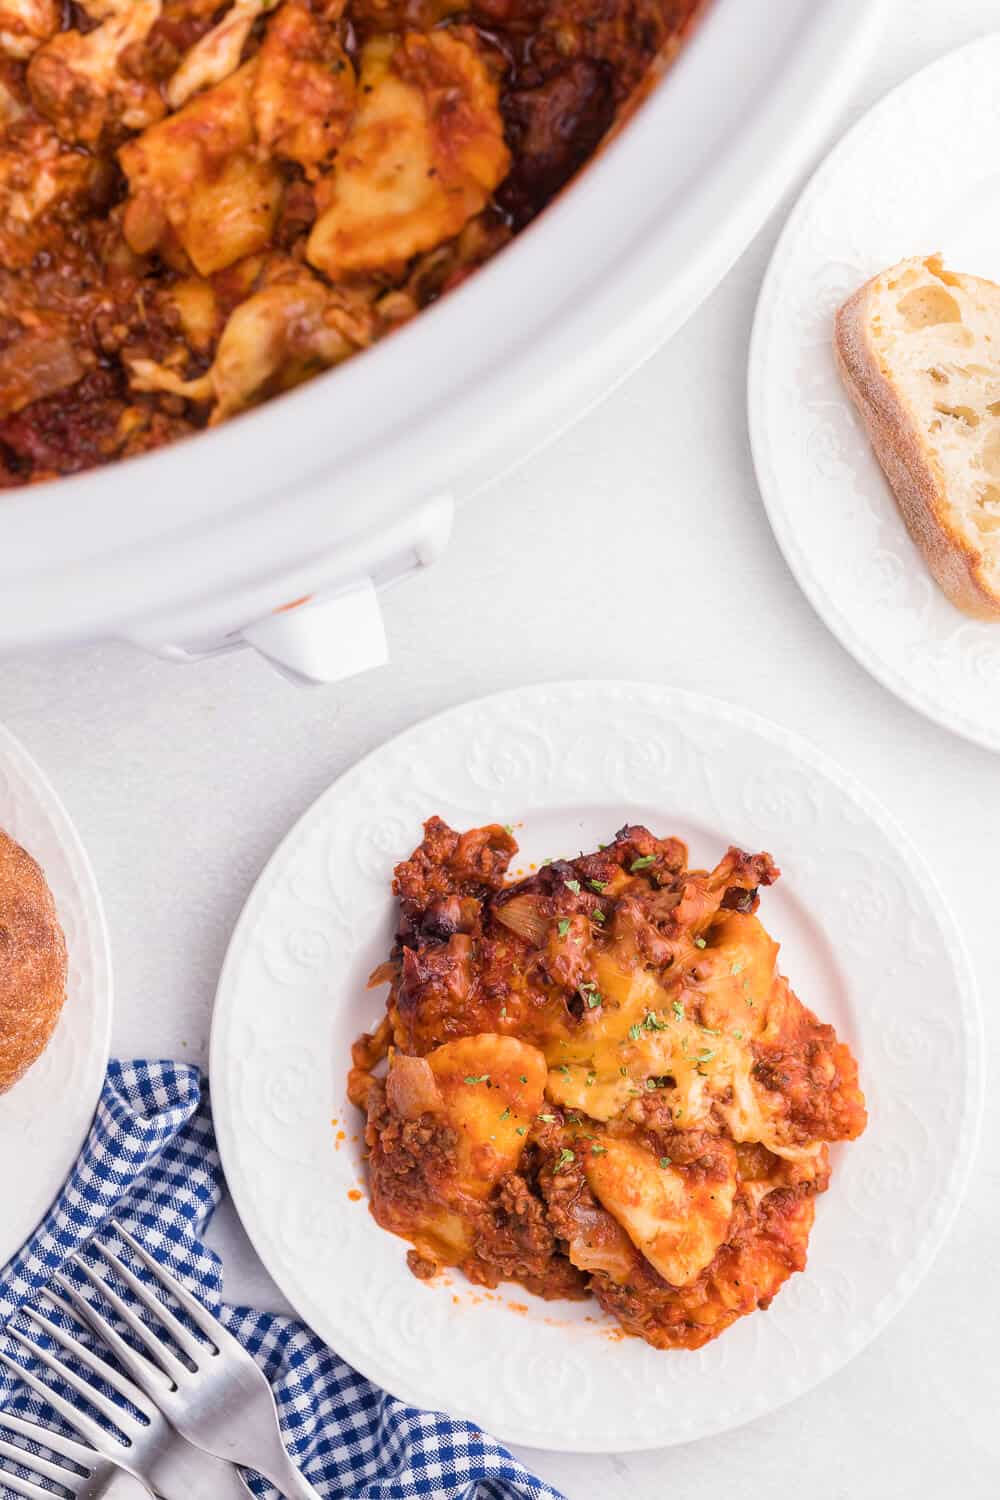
x=482, y=1396
x=789, y=502
x=41, y=1151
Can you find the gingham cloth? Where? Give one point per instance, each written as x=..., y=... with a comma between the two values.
x=151, y=1159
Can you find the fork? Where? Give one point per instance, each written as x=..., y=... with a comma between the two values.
x=145, y=1446
x=217, y=1397
x=100, y=1479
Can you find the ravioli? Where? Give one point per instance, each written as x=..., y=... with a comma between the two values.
x=424, y=152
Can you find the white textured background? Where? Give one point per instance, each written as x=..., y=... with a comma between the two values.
x=635, y=547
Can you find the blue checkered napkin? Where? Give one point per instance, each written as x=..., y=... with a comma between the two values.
x=151, y=1158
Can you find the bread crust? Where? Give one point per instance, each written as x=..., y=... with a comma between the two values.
x=916, y=477
x=32, y=962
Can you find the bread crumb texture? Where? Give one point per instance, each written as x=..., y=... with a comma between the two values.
x=919, y=349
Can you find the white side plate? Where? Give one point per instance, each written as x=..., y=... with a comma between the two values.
x=918, y=174
x=866, y=941
x=45, y=1117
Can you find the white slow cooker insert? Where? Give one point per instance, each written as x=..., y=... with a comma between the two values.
x=278, y=529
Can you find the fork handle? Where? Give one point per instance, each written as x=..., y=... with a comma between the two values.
x=291, y=1482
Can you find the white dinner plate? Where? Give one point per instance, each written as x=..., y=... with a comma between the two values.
x=866, y=941
x=917, y=174
x=45, y=1117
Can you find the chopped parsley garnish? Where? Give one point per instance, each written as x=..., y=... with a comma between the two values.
x=651, y=1083
x=678, y=1010
x=591, y=1079
x=652, y=1022
x=635, y=1032
x=564, y=1069
x=665, y=1161
x=563, y=926
x=699, y=942
x=738, y=1035
x=707, y=1055
x=565, y=1157
x=574, y=886
x=736, y=968
x=642, y=863
x=506, y=1113
x=598, y=915
x=524, y=1077
x=480, y=1078
x=598, y=885
x=503, y=1012
x=508, y=828
x=522, y=1130
x=623, y=1071
x=591, y=994
x=598, y=1150
x=549, y=1119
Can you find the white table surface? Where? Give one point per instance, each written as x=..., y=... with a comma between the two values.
x=634, y=547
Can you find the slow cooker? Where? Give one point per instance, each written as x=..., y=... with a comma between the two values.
x=278, y=530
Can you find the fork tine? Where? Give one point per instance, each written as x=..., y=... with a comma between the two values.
x=199, y=1315
x=91, y=1360
x=164, y=1357
x=108, y=1409
x=191, y=1346
x=26, y=1488
x=76, y=1452
x=95, y=1434
x=38, y=1465
x=75, y=1305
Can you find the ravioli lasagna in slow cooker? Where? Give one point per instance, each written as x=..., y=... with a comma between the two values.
x=205, y=202
x=598, y=1082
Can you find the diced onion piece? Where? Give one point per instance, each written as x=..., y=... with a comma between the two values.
x=522, y=915
x=598, y=1242
x=385, y=973
x=411, y=1089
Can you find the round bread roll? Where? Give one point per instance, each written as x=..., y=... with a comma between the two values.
x=32, y=963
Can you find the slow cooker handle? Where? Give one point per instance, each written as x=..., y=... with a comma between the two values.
x=320, y=624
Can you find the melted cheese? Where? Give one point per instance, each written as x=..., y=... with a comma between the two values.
x=642, y=1038
x=643, y=1035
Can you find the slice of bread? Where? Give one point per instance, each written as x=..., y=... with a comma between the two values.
x=918, y=348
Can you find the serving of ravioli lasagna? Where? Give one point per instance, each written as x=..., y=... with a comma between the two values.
x=205, y=202
x=595, y=1081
